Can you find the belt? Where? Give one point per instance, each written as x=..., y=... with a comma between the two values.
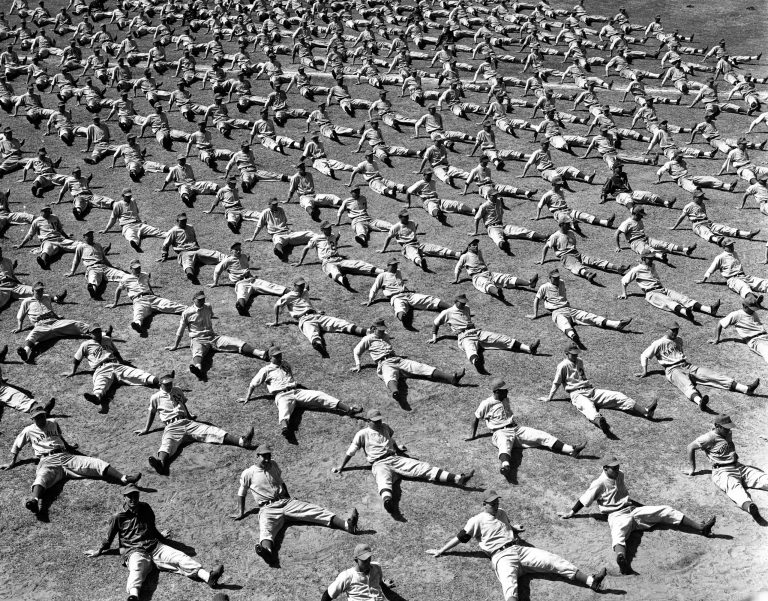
x=140, y=294
x=503, y=547
x=173, y=420
x=678, y=364
x=718, y=465
x=385, y=357
x=267, y=503
x=54, y=452
x=47, y=316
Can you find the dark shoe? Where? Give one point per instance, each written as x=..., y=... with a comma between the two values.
x=135, y=246
x=92, y=398
x=215, y=574
x=33, y=505
x=264, y=554
x=137, y=327
x=3, y=353
x=464, y=478
x=621, y=559
x=577, y=449
x=132, y=478
x=248, y=437
x=597, y=579
x=753, y=386
x=535, y=346
x=651, y=409
x=505, y=469
x=623, y=324
x=704, y=403
x=753, y=511
x=708, y=525
x=388, y=505
x=22, y=352
x=156, y=464
x=352, y=520
x=196, y=371
x=42, y=263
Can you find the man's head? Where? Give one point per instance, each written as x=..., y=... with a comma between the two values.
x=461, y=300
x=39, y=416
x=275, y=354
x=181, y=220
x=491, y=502
x=554, y=276
x=723, y=424
x=131, y=494
x=362, y=557
x=392, y=265
x=94, y=331
x=198, y=298
x=611, y=467
x=572, y=352
x=673, y=328
x=499, y=388
x=166, y=382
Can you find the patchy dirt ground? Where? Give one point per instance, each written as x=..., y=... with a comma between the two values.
x=45, y=561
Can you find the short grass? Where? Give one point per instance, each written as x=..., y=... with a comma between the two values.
x=45, y=560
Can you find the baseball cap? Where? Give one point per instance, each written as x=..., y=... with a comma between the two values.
x=727, y=242
x=462, y=298
x=572, y=349
x=299, y=281
x=362, y=551
x=698, y=194
x=126, y=192
x=403, y=213
x=393, y=262
x=611, y=462
x=38, y=286
x=325, y=225
x=273, y=202
x=129, y=489
x=135, y=263
x=274, y=351
x=555, y=273
x=166, y=379
x=45, y=209
x=498, y=384
x=673, y=325
x=646, y=254
x=93, y=327
x=181, y=216
x=235, y=245
x=380, y=324
x=198, y=294
x=564, y=217
x=373, y=415
x=244, y=144
x=474, y=242
x=88, y=233
x=724, y=421
x=264, y=449
x=315, y=134
x=491, y=496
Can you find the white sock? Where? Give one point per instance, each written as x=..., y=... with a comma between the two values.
x=241, y=441
x=134, y=591
x=590, y=580
x=204, y=575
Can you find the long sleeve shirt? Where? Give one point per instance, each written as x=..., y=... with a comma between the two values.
x=135, y=530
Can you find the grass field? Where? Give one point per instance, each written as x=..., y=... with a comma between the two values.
x=45, y=561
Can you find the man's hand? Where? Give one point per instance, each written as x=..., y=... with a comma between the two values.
x=434, y=553
x=272, y=324
x=236, y=517
x=139, y=432
x=242, y=400
x=170, y=348
x=6, y=466
x=689, y=471
x=566, y=515
x=355, y=369
x=166, y=533
x=545, y=399
x=641, y=374
x=337, y=469
x=621, y=297
x=93, y=552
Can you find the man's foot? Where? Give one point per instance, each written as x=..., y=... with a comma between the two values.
x=92, y=398
x=61, y=296
x=464, y=478
x=621, y=559
x=610, y=220
x=42, y=263
x=732, y=187
x=23, y=354
x=320, y=348
x=196, y=371
x=708, y=525
x=690, y=249
x=242, y=310
x=704, y=402
x=248, y=437
x=457, y=376
x=535, y=346
x=137, y=327
x=751, y=235
x=591, y=278
x=534, y=280
x=623, y=324
x=352, y=520
x=577, y=449
x=215, y=574
x=285, y=432
x=753, y=511
x=670, y=203
x=133, y=598
x=132, y=478
x=388, y=505
x=3, y=353
x=33, y=505
x=753, y=386
x=264, y=554
x=354, y=410
x=135, y=246
x=651, y=409
x=156, y=464
x=597, y=579
x=505, y=469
